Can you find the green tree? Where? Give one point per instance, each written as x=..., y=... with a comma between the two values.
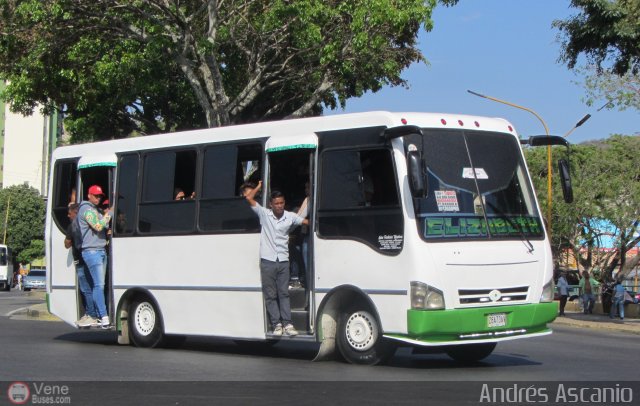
x=623, y=91
x=24, y=225
x=606, y=183
x=120, y=67
x=605, y=31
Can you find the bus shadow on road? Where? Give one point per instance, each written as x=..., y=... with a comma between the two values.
x=403, y=358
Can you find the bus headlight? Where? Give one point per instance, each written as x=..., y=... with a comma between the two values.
x=547, y=292
x=425, y=297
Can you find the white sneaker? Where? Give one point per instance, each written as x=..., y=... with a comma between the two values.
x=290, y=330
x=104, y=322
x=86, y=321
x=277, y=330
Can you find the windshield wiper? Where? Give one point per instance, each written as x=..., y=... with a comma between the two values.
x=513, y=224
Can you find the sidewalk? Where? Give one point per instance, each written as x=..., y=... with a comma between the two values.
x=34, y=312
x=598, y=321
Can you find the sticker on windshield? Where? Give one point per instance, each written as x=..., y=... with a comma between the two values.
x=467, y=173
x=447, y=200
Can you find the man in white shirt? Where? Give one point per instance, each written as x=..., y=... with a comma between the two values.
x=276, y=224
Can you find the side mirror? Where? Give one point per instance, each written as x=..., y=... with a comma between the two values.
x=417, y=182
x=565, y=180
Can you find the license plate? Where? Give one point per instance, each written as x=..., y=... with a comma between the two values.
x=497, y=320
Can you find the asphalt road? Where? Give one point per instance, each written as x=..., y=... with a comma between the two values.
x=202, y=370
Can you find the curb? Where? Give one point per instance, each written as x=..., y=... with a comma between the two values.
x=600, y=322
x=34, y=312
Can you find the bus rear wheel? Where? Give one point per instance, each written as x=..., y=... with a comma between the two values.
x=470, y=352
x=145, y=326
x=359, y=338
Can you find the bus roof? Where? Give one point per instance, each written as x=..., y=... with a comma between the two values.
x=288, y=128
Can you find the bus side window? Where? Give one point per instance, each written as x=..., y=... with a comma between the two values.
x=124, y=221
x=163, y=171
x=225, y=168
x=359, y=199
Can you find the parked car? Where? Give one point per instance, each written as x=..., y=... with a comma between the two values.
x=35, y=279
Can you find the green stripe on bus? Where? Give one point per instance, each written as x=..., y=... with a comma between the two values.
x=288, y=147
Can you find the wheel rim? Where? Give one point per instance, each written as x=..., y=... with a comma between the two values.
x=145, y=318
x=361, y=331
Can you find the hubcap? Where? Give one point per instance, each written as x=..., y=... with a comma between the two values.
x=361, y=331
x=145, y=318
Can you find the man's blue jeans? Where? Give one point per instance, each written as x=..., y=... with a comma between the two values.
x=84, y=285
x=96, y=261
x=588, y=300
x=617, y=303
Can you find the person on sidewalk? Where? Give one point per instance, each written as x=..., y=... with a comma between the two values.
x=563, y=289
x=93, y=228
x=617, y=300
x=73, y=240
x=276, y=224
x=588, y=287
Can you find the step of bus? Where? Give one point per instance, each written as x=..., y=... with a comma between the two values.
x=300, y=320
x=298, y=298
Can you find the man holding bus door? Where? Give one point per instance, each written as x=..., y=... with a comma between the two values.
x=93, y=231
x=274, y=257
x=71, y=240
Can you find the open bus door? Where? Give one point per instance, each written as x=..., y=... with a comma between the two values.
x=291, y=170
x=99, y=170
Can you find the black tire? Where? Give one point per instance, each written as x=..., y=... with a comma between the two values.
x=470, y=352
x=145, y=323
x=359, y=338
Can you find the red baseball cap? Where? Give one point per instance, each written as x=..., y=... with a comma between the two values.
x=96, y=190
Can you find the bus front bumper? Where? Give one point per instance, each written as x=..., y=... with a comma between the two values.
x=477, y=325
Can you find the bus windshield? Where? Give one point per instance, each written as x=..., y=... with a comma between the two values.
x=478, y=188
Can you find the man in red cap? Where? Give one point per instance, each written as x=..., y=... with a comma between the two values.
x=93, y=230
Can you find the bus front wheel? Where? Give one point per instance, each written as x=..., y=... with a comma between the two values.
x=145, y=326
x=470, y=352
x=360, y=340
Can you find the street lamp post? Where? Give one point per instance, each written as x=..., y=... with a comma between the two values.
x=549, y=167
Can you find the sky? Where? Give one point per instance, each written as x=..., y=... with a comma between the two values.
x=506, y=49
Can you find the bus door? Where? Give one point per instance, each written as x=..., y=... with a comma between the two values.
x=61, y=274
x=291, y=170
x=99, y=170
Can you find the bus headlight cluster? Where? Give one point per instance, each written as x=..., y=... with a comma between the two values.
x=425, y=297
x=547, y=292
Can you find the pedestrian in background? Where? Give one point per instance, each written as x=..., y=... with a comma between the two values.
x=588, y=287
x=617, y=300
x=563, y=289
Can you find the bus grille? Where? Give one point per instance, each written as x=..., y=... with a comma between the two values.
x=498, y=295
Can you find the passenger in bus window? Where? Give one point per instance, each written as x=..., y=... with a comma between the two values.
x=93, y=229
x=179, y=194
x=274, y=258
x=73, y=240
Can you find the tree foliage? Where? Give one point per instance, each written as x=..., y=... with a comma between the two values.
x=24, y=225
x=606, y=207
x=606, y=32
x=623, y=91
x=148, y=66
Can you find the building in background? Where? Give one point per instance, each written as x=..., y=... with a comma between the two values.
x=26, y=144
